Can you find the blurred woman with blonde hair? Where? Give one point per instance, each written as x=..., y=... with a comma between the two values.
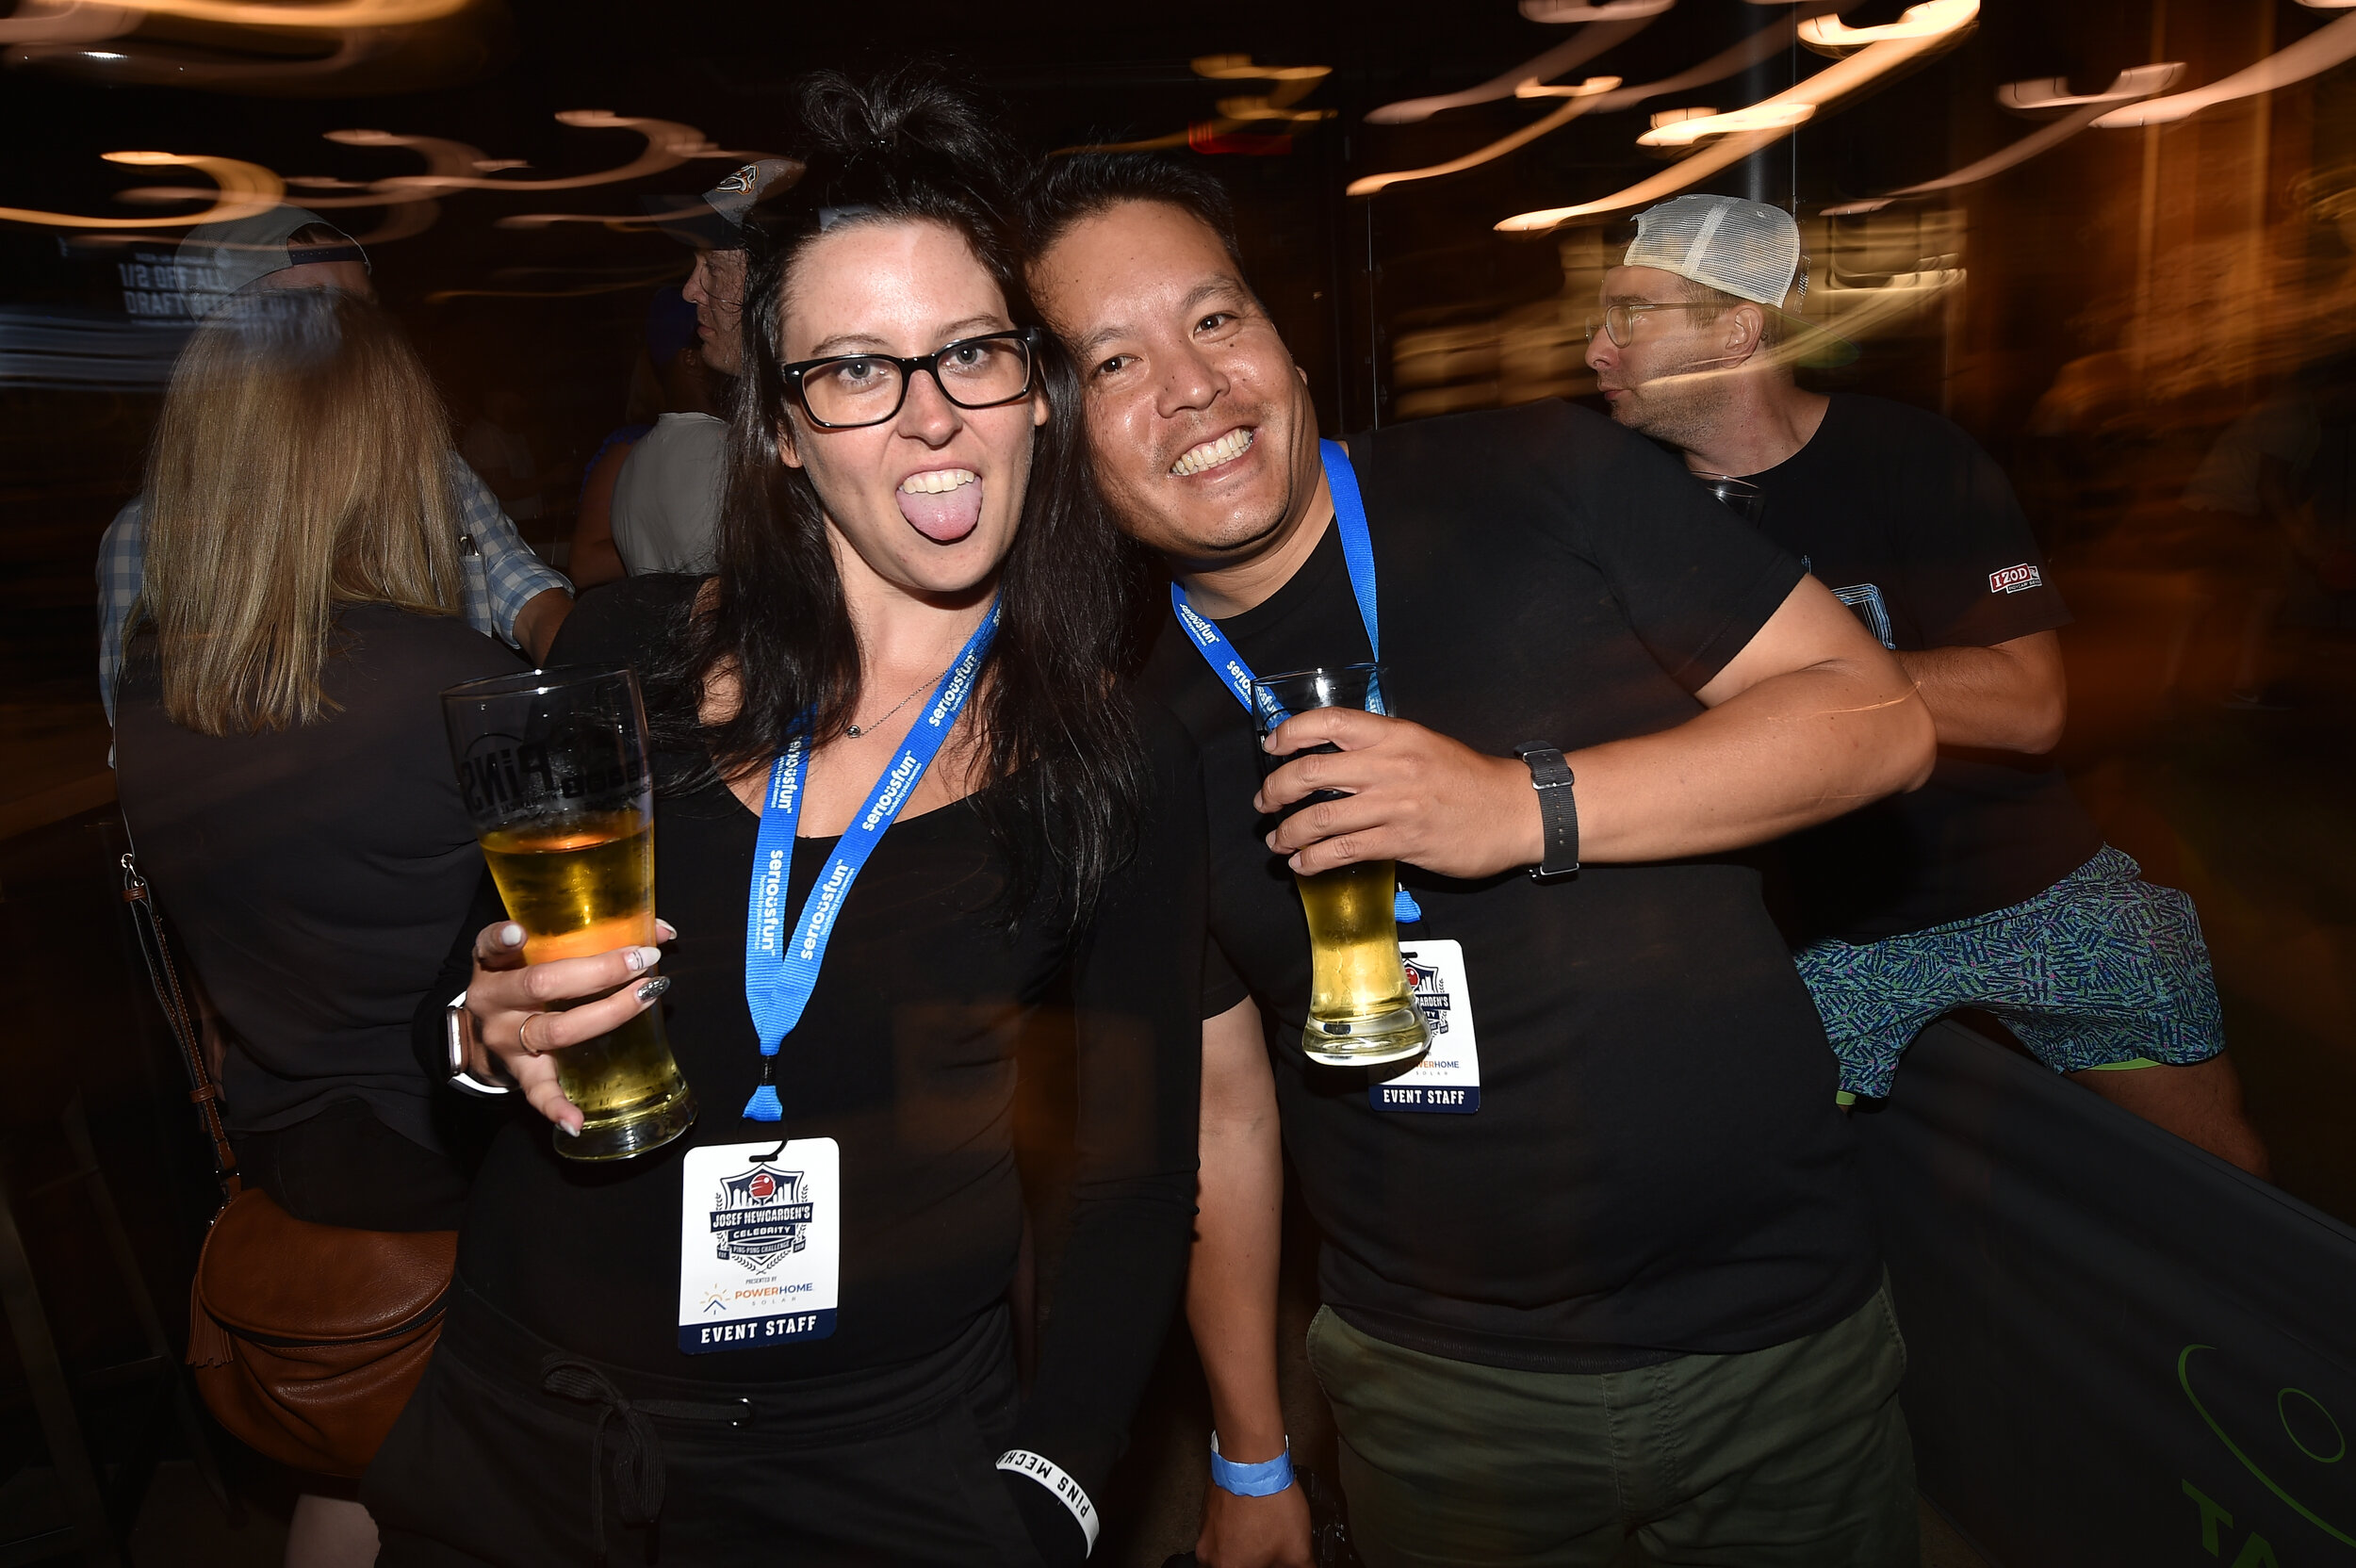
x=280, y=760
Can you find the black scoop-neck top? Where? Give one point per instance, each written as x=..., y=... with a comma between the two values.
x=907, y=1057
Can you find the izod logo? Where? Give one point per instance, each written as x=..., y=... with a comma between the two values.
x=2012, y=579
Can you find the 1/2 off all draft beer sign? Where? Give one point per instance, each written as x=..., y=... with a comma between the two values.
x=761, y=1243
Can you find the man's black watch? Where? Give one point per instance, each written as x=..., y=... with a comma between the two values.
x=1551, y=778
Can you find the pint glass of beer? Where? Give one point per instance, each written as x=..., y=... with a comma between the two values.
x=552, y=766
x=1362, y=1006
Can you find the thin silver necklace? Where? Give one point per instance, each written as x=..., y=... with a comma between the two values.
x=855, y=732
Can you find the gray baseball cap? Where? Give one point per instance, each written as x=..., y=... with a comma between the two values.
x=1745, y=248
x=716, y=219
x=221, y=259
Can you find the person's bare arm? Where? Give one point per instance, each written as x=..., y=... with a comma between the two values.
x=2012, y=696
x=537, y=621
x=1813, y=718
x=1231, y=1292
x=595, y=557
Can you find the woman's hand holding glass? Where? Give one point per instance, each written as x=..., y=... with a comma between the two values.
x=517, y=1013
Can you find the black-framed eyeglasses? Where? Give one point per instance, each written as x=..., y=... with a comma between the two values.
x=1620, y=320
x=849, y=391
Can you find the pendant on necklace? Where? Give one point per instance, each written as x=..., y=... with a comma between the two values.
x=855, y=732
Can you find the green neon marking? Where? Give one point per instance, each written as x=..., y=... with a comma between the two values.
x=2285, y=1416
x=2183, y=1379
x=2130, y=1065
x=2213, y=1513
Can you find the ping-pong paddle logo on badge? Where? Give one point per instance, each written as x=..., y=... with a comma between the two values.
x=761, y=1215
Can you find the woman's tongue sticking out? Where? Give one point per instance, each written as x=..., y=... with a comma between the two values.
x=944, y=506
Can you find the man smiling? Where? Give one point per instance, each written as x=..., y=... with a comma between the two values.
x=1633, y=1293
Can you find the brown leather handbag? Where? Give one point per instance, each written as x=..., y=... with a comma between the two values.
x=306, y=1339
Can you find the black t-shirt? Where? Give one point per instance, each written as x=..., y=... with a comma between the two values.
x=315, y=874
x=1657, y=1165
x=1915, y=527
x=905, y=1057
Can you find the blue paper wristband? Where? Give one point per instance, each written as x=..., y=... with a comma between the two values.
x=1263, y=1480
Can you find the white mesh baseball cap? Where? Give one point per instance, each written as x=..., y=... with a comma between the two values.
x=1745, y=248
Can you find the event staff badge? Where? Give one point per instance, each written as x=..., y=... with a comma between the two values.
x=761, y=1243
x=1448, y=1078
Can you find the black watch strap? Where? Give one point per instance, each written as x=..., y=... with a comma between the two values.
x=1551, y=778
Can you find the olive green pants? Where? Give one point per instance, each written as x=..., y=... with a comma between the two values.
x=1792, y=1457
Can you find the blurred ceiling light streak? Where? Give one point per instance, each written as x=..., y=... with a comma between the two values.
x=244, y=188
x=59, y=22
x=2139, y=81
x=1763, y=44
x=1296, y=83
x=453, y=166
x=65, y=22
x=1217, y=135
x=1591, y=87
x=140, y=63
x=1580, y=47
x=1848, y=74
x=323, y=14
x=449, y=164
x=1685, y=131
x=2319, y=51
x=1581, y=99
x=1932, y=19
x=1610, y=10
x=2053, y=92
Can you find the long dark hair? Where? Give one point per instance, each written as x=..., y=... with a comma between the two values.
x=1064, y=772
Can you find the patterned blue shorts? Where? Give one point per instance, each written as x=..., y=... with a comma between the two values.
x=2099, y=970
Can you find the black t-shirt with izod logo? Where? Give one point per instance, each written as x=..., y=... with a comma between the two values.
x=1641, y=1157
x=1903, y=517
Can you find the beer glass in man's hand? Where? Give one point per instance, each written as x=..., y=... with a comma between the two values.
x=553, y=767
x=1362, y=1006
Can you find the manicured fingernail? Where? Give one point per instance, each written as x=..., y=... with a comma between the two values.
x=654, y=987
x=568, y=1129
x=665, y=929
x=510, y=935
x=635, y=959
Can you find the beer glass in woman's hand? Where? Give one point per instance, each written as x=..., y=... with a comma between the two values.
x=1362, y=1008
x=552, y=766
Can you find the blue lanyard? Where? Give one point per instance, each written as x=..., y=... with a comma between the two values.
x=778, y=978
x=1349, y=521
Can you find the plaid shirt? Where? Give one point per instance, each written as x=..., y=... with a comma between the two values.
x=502, y=574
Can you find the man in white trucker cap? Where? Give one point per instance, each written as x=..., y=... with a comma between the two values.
x=1989, y=887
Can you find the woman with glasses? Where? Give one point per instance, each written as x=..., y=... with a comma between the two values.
x=902, y=803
